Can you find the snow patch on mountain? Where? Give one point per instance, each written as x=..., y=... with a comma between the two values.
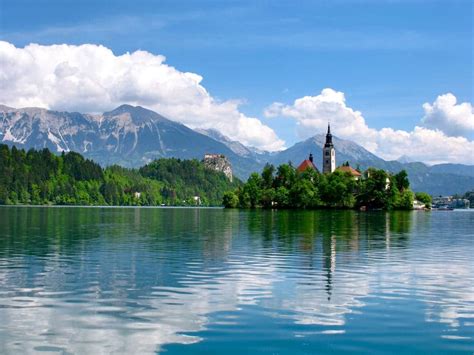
x=8, y=136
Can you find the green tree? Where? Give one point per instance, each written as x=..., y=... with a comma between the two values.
x=267, y=197
x=374, y=190
x=401, y=180
x=230, y=200
x=406, y=200
x=4, y=198
x=424, y=197
x=267, y=176
x=337, y=190
x=285, y=176
x=244, y=200
x=253, y=189
x=304, y=194
x=282, y=197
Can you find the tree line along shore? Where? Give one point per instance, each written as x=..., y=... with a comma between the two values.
x=39, y=177
x=288, y=188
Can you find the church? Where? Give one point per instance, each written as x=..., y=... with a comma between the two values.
x=329, y=154
x=329, y=160
x=329, y=157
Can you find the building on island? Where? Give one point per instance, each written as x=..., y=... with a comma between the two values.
x=346, y=168
x=329, y=154
x=329, y=161
x=307, y=164
x=329, y=157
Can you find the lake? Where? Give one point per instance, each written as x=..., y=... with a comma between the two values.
x=186, y=281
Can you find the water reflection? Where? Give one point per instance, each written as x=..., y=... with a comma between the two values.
x=132, y=280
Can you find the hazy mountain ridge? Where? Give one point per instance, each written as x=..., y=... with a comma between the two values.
x=133, y=136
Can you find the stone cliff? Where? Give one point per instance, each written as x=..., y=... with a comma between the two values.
x=218, y=162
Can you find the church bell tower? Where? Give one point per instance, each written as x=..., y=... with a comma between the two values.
x=329, y=154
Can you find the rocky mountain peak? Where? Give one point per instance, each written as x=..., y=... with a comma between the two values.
x=138, y=114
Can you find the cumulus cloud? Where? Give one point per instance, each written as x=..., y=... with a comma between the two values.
x=430, y=142
x=312, y=114
x=91, y=78
x=448, y=116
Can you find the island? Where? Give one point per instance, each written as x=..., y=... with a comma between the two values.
x=305, y=187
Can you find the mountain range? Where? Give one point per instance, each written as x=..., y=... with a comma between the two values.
x=132, y=136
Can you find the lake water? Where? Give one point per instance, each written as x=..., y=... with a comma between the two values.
x=185, y=281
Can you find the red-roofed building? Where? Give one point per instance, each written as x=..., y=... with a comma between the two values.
x=307, y=164
x=350, y=170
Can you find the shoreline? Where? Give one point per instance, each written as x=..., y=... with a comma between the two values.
x=115, y=206
x=238, y=209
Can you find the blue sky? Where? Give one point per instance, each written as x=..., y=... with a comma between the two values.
x=387, y=57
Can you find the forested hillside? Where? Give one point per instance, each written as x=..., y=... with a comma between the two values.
x=40, y=177
x=183, y=178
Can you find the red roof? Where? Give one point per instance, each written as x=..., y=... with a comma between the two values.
x=350, y=170
x=305, y=165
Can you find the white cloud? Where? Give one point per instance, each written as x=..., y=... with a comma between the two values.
x=91, y=78
x=426, y=145
x=454, y=120
x=430, y=144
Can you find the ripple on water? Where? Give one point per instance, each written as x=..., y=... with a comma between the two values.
x=138, y=280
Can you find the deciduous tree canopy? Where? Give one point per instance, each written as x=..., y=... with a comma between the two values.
x=285, y=187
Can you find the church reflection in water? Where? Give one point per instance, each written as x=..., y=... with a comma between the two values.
x=149, y=277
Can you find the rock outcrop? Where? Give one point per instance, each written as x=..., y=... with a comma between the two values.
x=218, y=162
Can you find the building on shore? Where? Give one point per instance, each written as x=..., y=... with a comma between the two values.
x=450, y=202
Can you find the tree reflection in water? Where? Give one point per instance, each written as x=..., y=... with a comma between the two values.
x=142, y=277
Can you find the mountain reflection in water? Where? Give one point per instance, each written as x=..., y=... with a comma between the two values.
x=132, y=280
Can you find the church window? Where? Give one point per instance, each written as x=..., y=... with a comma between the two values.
x=327, y=153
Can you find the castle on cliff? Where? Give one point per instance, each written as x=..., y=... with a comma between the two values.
x=218, y=162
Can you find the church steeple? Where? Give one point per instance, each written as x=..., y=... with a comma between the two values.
x=329, y=153
x=328, y=137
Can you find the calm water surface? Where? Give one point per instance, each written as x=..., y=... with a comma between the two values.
x=139, y=280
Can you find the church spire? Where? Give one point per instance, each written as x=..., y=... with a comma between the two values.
x=329, y=154
x=328, y=137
